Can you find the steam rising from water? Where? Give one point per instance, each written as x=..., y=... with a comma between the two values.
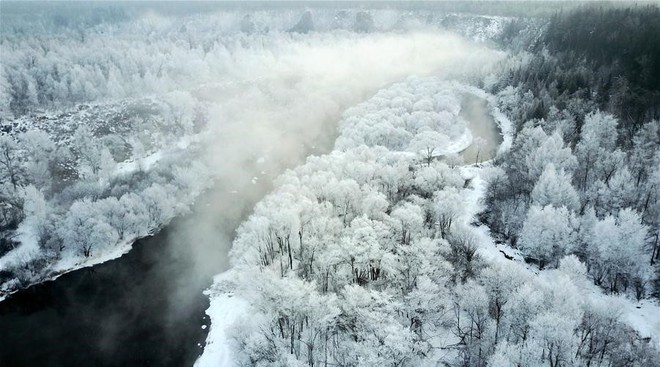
x=279, y=101
x=271, y=98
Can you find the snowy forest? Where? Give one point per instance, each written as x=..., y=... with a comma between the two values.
x=455, y=184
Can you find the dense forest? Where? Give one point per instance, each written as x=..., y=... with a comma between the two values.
x=587, y=101
x=385, y=266
x=98, y=126
x=395, y=233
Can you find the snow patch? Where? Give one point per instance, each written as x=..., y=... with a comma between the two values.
x=224, y=311
x=457, y=145
x=643, y=316
x=146, y=163
x=28, y=248
x=72, y=263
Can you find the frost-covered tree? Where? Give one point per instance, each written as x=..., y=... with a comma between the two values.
x=159, y=204
x=555, y=189
x=462, y=254
x=473, y=324
x=133, y=218
x=447, y=209
x=596, y=150
x=525, y=146
x=409, y=220
x=427, y=144
x=501, y=281
x=618, y=193
x=88, y=152
x=39, y=150
x=615, y=250
x=38, y=214
x=552, y=150
x=548, y=234
x=11, y=165
x=436, y=177
x=85, y=229
x=645, y=146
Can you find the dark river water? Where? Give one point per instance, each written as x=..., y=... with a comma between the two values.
x=147, y=307
x=110, y=315
x=143, y=309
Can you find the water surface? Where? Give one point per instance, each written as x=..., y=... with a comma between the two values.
x=485, y=131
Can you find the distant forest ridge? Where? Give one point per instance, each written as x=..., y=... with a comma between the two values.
x=112, y=11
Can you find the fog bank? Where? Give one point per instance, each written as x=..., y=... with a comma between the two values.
x=280, y=100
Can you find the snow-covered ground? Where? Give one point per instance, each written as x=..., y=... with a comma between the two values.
x=69, y=264
x=643, y=316
x=225, y=310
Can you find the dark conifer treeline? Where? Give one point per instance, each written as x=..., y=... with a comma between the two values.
x=586, y=98
x=607, y=57
x=621, y=48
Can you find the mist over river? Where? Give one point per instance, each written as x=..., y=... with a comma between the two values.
x=140, y=111
x=147, y=307
x=316, y=183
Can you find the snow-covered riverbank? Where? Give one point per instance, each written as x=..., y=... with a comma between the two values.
x=136, y=222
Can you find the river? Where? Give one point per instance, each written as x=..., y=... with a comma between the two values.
x=115, y=313
x=143, y=309
x=147, y=307
x=485, y=131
